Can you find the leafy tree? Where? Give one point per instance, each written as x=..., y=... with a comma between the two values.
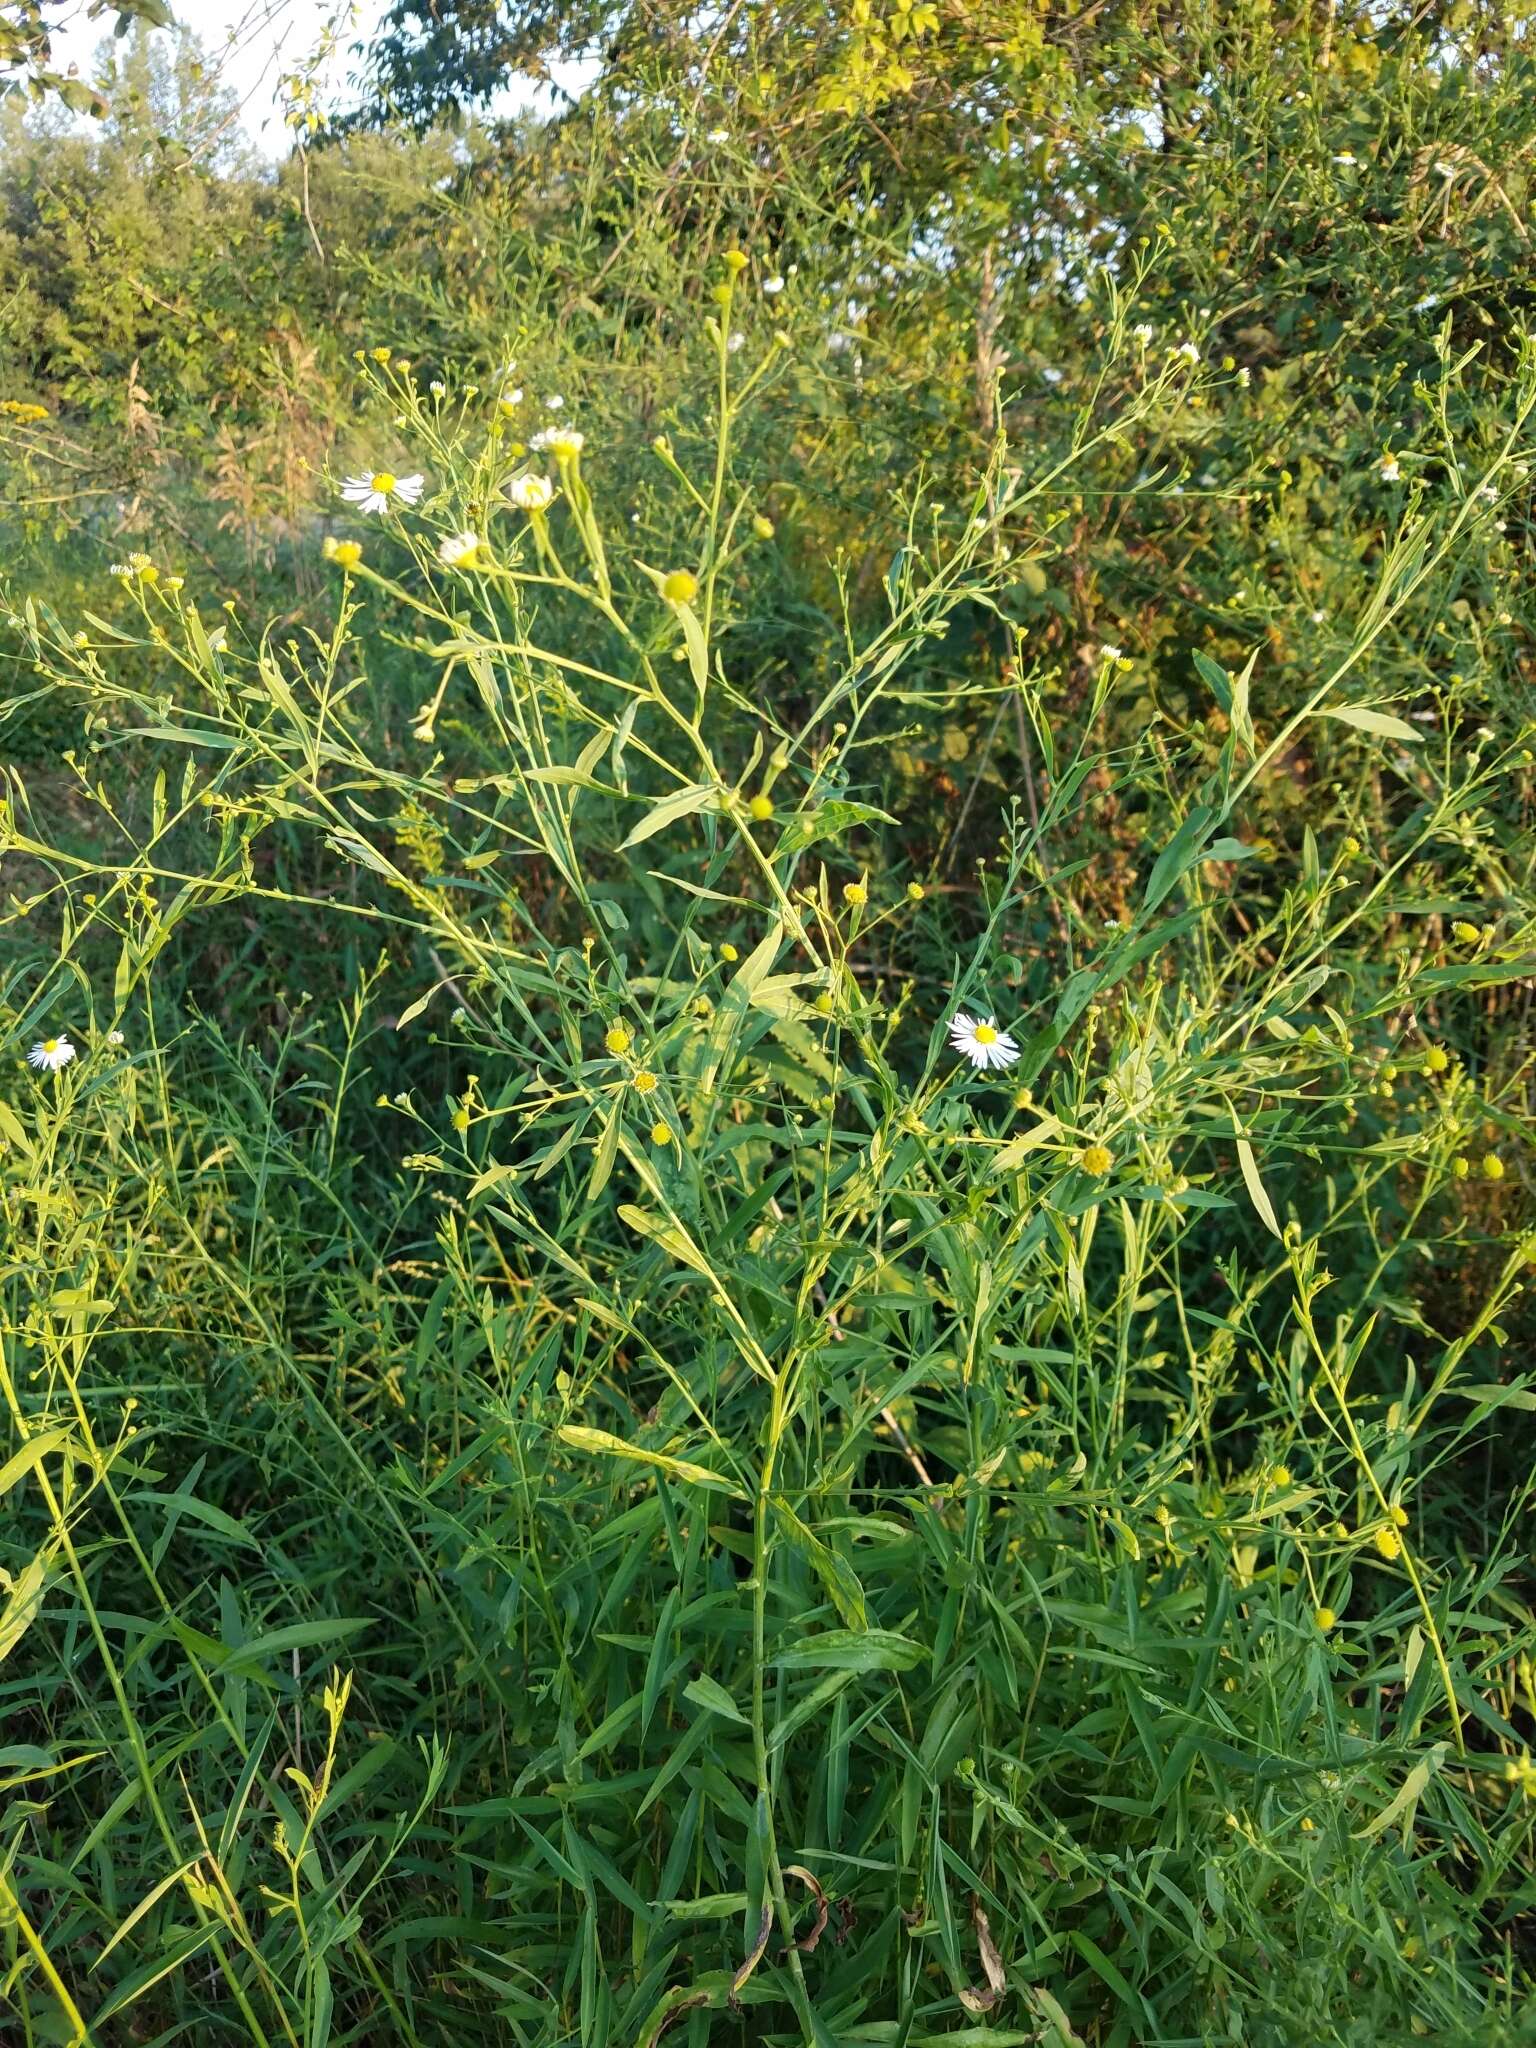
x=26, y=46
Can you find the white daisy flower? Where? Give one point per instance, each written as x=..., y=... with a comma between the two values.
x=51, y=1053
x=981, y=1041
x=531, y=493
x=1110, y=652
x=773, y=285
x=1188, y=351
x=1345, y=157
x=1142, y=332
x=561, y=442
x=460, y=550
x=114, y=1038
x=735, y=341
x=554, y=401
x=1390, y=469
x=718, y=135
x=375, y=491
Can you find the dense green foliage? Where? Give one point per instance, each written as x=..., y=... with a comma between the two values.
x=574, y=1473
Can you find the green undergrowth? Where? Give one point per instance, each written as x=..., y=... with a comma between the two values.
x=574, y=1473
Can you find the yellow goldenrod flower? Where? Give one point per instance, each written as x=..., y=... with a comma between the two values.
x=661, y=1134
x=618, y=1039
x=728, y=951
x=855, y=894
x=1493, y=1166
x=1388, y=1542
x=646, y=1082
x=1096, y=1159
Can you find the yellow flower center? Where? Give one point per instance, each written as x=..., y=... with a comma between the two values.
x=985, y=1035
x=384, y=481
x=50, y=1045
x=679, y=587
x=645, y=1081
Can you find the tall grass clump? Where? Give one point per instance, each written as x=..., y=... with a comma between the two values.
x=576, y=1472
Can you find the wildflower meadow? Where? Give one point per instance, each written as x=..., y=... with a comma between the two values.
x=767, y=937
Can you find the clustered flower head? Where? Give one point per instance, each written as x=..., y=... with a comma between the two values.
x=981, y=1041
x=379, y=489
x=564, y=443
x=681, y=587
x=346, y=554
x=51, y=1054
x=531, y=493
x=460, y=550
